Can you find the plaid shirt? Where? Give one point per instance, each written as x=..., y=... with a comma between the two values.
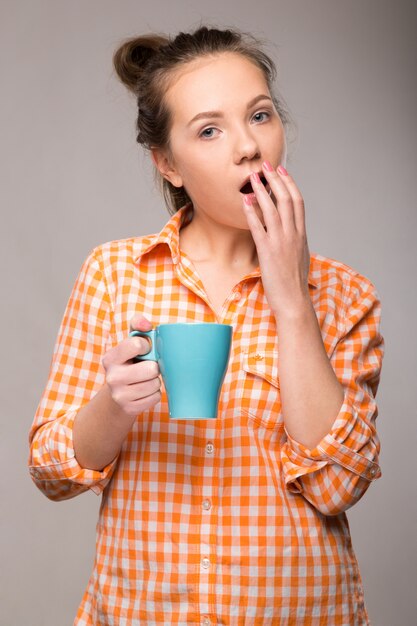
x=229, y=521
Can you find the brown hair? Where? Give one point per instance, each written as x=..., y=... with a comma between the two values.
x=146, y=64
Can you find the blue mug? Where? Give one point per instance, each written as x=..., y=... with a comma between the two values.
x=193, y=360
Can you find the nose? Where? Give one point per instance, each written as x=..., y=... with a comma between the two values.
x=246, y=145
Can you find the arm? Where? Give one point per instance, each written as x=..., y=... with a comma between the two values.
x=93, y=395
x=75, y=375
x=335, y=471
x=311, y=394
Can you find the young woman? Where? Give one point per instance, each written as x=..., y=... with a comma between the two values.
x=239, y=520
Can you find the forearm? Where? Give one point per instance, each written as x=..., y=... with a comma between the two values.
x=311, y=395
x=100, y=428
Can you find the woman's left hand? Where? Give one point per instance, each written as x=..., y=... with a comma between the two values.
x=282, y=247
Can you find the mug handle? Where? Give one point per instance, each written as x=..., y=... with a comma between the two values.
x=151, y=355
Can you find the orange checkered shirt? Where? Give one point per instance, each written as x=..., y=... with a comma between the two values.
x=229, y=521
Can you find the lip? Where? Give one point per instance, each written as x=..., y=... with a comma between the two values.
x=247, y=180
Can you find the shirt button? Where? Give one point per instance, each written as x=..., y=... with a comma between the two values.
x=206, y=621
x=372, y=471
x=258, y=357
x=205, y=562
x=206, y=505
x=237, y=296
x=209, y=448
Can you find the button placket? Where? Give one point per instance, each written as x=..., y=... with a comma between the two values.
x=207, y=551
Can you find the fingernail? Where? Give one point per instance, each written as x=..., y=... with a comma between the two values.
x=282, y=170
x=247, y=200
x=255, y=177
x=268, y=166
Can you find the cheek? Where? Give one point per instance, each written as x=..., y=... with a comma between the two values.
x=198, y=178
x=198, y=188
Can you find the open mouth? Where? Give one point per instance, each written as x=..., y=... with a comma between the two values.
x=247, y=187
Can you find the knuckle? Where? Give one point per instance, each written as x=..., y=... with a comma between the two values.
x=106, y=360
x=148, y=369
x=137, y=343
x=118, y=397
x=153, y=369
x=153, y=399
x=149, y=389
x=141, y=344
x=146, y=345
x=111, y=378
x=150, y=400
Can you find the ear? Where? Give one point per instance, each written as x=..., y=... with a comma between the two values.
x=163, y=163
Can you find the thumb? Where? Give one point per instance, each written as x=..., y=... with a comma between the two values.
x=140, y=322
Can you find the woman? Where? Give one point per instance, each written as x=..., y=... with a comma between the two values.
x=241, y=520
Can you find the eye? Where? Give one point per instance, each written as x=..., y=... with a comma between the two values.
x=211, y=129
x=268, y=115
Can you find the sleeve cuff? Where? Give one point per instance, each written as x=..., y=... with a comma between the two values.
x=72, y=471
x=56, y=462
x=299, y=460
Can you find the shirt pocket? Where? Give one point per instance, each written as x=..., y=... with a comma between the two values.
x=260, y=398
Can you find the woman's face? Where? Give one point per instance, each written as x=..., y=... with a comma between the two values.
x=224, y=124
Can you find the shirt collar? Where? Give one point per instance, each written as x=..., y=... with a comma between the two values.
x=169, y=235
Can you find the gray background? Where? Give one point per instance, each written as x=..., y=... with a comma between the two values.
x=73, y=177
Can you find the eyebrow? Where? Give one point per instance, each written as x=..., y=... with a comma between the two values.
x=206, y=114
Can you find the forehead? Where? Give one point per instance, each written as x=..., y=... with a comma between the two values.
x=214, y=83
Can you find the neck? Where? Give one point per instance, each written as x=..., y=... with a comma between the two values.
x=206, y=241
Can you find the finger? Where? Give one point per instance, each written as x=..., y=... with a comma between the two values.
x=143, y=404
x=298, y=200
x=126, y=350
x=140, y=404
x=143, y=389
x=283, y=184
x=285, y=206
x=141, y=372
x=126, y=381
x=255, y=225
x=140, y=322
x=269, y=210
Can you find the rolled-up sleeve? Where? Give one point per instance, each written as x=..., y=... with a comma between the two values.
x=75, y=375
x=337, y=472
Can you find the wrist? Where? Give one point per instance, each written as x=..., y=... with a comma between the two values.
x=297, y=311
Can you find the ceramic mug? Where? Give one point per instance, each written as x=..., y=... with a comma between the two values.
x=192, y=359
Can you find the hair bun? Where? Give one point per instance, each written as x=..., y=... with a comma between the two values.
x=133, y=54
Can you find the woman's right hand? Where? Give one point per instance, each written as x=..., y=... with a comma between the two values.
x=134, y=386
